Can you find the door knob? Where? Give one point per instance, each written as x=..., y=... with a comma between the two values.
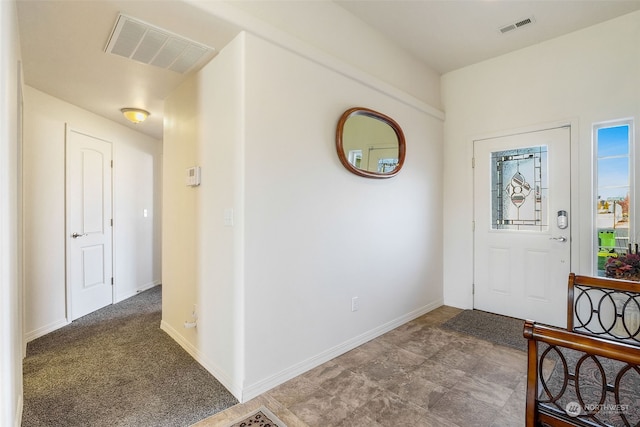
x=76, y=235
x=558, y=239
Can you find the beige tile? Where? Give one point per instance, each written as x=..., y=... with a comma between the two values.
x=389, y=409
x=293, y=390
x=321, y=409
x=381, y=372
x=409, y=327
x=415, y=375
x=374, y=348
x=491, y=370
x=461, y=409
x=323, y=372
x=455, y=357
x=471, y=344
x=516, y=359
x=358, y=420
x=420, y=391
x=479, y=389
x=428, y=341
x=441, y=374
x=234, y=413
x=288, y=417
x=502, y=420
x=397, y=364
x=403, y=358
x=401, y=335
x=515, y=406
x=438, y=316
x=352, y=388
x=216, y=420
x=366, y=353
x=432, y=420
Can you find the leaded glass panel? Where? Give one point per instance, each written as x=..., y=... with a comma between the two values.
x=519, y=189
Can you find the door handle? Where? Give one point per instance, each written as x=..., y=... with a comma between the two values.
x=76, y=235
x=558, y=239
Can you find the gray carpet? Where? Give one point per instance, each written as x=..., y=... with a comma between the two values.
x=116, y=367
x=495, y=328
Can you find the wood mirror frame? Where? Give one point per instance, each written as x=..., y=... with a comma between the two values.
x=348, y=148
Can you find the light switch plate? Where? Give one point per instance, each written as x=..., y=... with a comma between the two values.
x=193, y=176
x=228, y=217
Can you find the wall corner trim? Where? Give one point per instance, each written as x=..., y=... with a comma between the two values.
x=19, y=411
x=210, y=366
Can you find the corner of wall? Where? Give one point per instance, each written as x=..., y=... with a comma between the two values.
x=210, y=365
x=203, y=225
x=11, y=290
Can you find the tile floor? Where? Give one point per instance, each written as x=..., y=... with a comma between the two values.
x=416, y=375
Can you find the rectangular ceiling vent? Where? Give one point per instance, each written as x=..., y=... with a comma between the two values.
x=151, y=45
x=521, y=23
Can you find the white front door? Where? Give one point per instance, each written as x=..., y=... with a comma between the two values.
x=521, y=252
x=89, y=237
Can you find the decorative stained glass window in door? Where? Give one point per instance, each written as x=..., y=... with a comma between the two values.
x=519, y=189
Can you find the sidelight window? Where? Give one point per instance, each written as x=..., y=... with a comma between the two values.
x=613, y=191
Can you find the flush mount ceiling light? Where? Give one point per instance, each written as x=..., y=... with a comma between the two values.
x=135, y=115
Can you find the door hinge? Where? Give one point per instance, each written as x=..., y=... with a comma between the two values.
x=473, y=289
x=473, y=226
x=111, y=164
x=112, y=281
x=112, y=222
x=473, y=163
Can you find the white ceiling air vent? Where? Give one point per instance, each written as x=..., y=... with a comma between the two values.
x=521, y=23
x=145, y=43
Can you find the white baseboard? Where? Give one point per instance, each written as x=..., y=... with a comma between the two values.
x=213, y=368
x=44, y=330
x=32, y=335
x=256, y=389
x=136, y=291
x=19, y=409
x=285, y=375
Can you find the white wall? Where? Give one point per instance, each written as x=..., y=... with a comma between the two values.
x=317, y=235
x=332, y=29
x=203, y=258
x=585, y=77
x=308, y=235
x=137, y=186
x=10, y=274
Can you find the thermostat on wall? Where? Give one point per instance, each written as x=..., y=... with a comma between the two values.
x=193, y=176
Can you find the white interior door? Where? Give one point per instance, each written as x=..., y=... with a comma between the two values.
x=89, y=237
x=521, y=253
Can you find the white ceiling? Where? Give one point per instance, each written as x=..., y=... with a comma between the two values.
x=63, y=41
x=450, y=34
x=63, y=54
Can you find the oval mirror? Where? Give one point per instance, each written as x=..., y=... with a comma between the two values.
x=369, y=143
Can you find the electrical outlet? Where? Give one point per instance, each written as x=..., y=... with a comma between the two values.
x=194, y=319
x=355, y=304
